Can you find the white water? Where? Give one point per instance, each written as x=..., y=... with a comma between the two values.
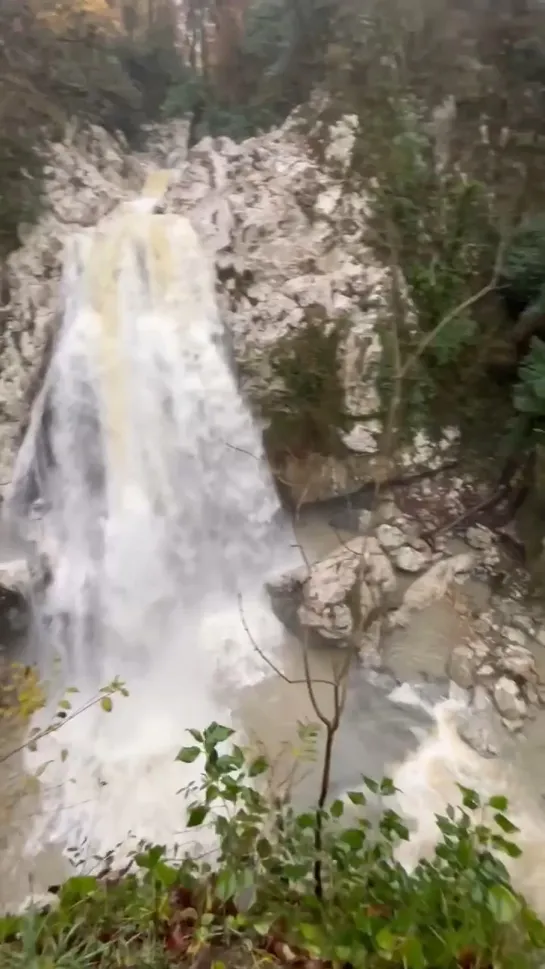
x=427, y=783
x=161, y=518
x=159, y=513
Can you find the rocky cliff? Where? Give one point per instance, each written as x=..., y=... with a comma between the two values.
x=288, y=238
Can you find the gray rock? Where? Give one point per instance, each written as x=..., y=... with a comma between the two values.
x=480, y=538
x=369, y=649
x=514, y=635
x=288, y=238
x=409, y=559
x=480, y=725
x=431, y=586
x=341, y=591
x=286, y=593
x=518, y=662
x=390, y=536
x=462, y=666
x=509, y=700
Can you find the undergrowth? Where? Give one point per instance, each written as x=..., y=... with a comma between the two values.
x=305, y=404
x=271, y=896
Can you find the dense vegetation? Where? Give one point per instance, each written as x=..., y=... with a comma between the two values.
x=321, y=888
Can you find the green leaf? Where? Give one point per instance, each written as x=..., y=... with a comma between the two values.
x=337, y=809
x=217, y=734
x=387, y=788
x=263, y=848
x=78, y=888
x=412, y=954
x=258, y=766
x=188, y=754
x=470, y=799
x=344, y=954
x=10, y=927
x=65, y=705
x=306, y=820
x=106, y=704
x=386, y=941
x=197, y=735
x=508, y=847
x=196, y=815
x=354, y=838
x=498, y=803
x=505, y=824
x=226, y=885
x=356, y=797
x=149, y=859
x=504, y=905
x=310, y=932
x=371, y=784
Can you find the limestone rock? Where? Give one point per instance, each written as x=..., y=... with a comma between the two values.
x=342, y=590
x=288, y=237
x=519, y=663
x=432, y=586
x=508, y=699
x=369, y=648
x=285, y=593
x=480, y=725
x=390, y=536
x=479, y=537
x=409, y=559
x=462, y=666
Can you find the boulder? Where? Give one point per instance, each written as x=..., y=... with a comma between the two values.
x=431, y=586
x=335, y=602
x=509, y=700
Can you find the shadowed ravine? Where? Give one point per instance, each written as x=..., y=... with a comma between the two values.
x=161, y=524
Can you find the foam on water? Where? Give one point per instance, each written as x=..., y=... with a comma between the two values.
x=162, y=523
x=428, y=781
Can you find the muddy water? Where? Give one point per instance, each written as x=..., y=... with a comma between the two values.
x=382, y=727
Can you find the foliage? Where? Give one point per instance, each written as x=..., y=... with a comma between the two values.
x=530, y=390
x=305, y=404
x=439, y=227
x=62, y=60
x=258, y=61
x=22, y=693
x=523, y=273
x=259, y=901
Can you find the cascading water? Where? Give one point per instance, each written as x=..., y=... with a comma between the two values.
x=161, y=521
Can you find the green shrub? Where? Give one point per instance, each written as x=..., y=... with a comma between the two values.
x=276, y=892
x=305, y=405
x=522, y=280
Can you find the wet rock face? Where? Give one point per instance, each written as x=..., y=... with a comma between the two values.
x=288, y=239
x=14, y=608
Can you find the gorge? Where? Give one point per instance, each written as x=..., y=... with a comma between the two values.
x=161, y=523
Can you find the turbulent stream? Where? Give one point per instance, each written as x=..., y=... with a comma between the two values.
x=161, y=524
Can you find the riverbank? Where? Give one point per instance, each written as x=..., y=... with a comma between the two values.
x=315, y=889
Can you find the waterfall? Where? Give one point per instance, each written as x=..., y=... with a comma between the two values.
x=161, y=523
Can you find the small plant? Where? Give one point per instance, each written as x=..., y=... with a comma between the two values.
x=305, y=406
x=270, y=896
